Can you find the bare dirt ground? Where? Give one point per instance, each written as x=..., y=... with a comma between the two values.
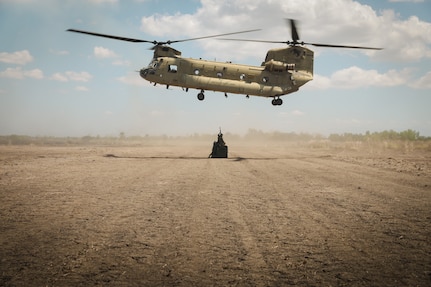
x=169, y=216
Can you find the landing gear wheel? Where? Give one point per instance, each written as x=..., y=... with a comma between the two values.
x=201, y=96
x=277, y=102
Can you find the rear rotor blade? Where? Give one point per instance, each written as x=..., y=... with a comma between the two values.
x=294, y=31
x=302, y=43
x=341, y=46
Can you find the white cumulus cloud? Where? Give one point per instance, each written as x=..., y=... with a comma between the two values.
x=423, y=82
x=72, y=76
x=19, y=73
x=322, y=21
x=355, y=77
x=408, y=1
x=81, y=89
x=59, y=77
x=101, y=52
x=133, y=79
x=18, y=58
x=103, y=1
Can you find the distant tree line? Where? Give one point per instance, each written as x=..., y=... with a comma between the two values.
x=251, y=135
x=407, y=135
x=254, y=134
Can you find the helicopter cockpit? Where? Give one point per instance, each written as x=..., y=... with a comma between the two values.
x=150, y=69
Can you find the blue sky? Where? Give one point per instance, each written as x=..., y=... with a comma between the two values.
x=57, y=83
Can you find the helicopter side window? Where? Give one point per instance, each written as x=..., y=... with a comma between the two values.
x=172, y=68
x=197, y=72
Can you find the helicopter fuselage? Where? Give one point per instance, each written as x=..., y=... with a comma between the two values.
x=283, y=72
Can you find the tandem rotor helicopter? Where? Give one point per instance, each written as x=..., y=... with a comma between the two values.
x=283, y=72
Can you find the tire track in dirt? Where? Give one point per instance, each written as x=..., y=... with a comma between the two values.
x=265, y=201
x=329, y=205
x=162, y=216
x=232, y=183
x=203, y=227
x=86, y=189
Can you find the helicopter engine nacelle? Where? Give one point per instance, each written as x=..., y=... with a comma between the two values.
x=278, y=66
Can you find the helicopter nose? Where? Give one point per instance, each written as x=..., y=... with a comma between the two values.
x=143, y=73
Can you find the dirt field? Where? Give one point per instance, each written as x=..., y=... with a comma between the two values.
x=169, y=216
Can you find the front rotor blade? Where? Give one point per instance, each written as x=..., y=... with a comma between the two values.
x=111, y=36
x=213, y=36
x=257, y=41
x=342, y=46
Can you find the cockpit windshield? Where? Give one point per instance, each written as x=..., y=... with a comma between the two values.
x=154, y=64
x=150, y=69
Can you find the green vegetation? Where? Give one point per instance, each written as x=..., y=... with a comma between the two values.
x=408, y=135
x=314, y=140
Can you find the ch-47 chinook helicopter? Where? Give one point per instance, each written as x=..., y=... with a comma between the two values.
x=283, y=72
